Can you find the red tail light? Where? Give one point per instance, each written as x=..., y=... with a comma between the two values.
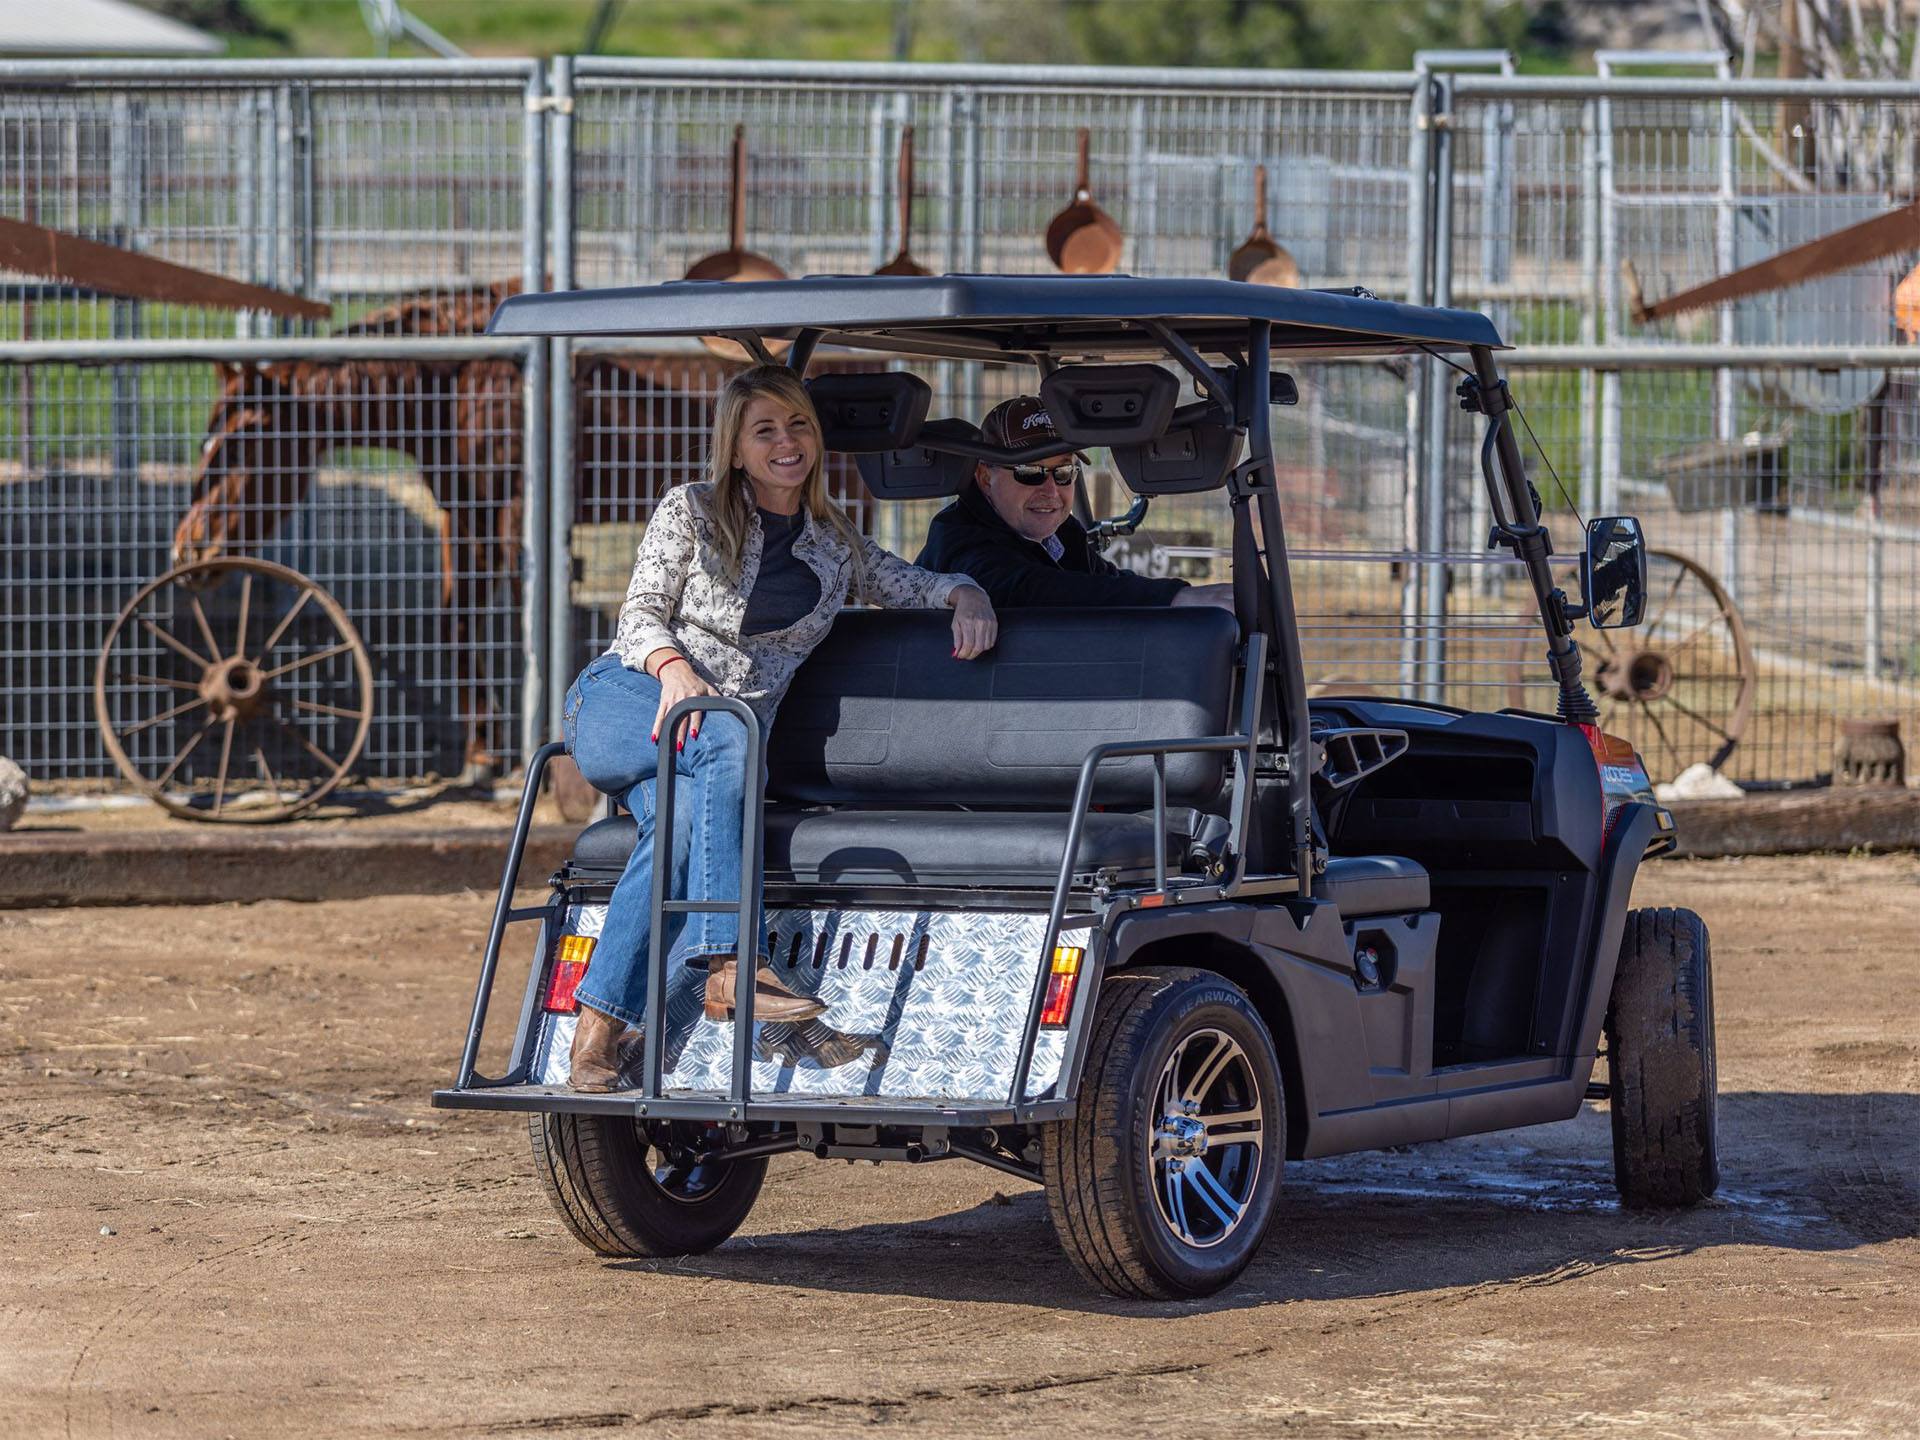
x=568, y=967
x=1061, y=981
x=1623, y=778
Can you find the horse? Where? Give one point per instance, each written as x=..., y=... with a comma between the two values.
x=274, y=424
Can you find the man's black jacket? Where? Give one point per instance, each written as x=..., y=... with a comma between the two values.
x=970, y=538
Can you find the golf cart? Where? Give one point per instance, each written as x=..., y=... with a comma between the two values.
x=1117, y=909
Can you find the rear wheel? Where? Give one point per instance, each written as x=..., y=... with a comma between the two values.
x=1163, y=1183
x=623, y=1192
x=1662, y=1079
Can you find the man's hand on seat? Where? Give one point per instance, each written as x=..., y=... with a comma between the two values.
x=1221, y=595
x=975, y=627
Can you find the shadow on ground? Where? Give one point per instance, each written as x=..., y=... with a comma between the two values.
x=1530, y=1208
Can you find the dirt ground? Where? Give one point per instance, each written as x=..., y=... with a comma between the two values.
x=226, y=1209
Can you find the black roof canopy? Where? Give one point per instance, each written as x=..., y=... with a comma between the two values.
x=987, y=317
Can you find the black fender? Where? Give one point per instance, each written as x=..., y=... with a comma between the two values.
x=1636, y=828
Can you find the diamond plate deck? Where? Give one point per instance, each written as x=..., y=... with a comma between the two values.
x=920, y=1004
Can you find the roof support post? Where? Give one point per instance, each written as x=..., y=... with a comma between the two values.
x=562, y=410
x=1517, y=525
x=1290, y=680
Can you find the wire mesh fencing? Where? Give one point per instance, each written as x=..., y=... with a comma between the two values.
x=473, y=510
x=139, y=437
x=992, y=164
x=350, y=185
x=392, y=485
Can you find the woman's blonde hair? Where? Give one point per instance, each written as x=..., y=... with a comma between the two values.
x=732, y=500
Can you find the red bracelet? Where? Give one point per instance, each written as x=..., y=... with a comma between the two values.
x=664, y=663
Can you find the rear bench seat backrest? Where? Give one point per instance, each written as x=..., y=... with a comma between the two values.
x=882, y=714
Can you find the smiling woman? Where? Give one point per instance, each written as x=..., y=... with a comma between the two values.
x=737, y=580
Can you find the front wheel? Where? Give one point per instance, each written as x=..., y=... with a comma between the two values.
x=1662, y=1079
x=1162, y=1184
x=623, y=1192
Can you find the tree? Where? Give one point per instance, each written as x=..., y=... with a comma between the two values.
x=1844, y=146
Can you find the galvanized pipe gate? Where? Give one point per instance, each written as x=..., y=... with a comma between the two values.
x=1773, y=448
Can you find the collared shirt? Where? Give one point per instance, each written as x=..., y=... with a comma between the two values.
x=681, y=597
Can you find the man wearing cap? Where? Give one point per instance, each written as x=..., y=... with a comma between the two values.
x=1012, y=530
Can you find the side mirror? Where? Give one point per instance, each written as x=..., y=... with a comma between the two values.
x=1613, y=572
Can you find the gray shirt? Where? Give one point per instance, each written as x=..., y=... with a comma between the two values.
x=786, y=589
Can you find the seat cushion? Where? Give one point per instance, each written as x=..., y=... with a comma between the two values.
x=1375, y=885
x=882, y=714
x=917, y=847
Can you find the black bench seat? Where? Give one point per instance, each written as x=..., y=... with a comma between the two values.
x=958, y=848
x=892, y=763
x=990, y=849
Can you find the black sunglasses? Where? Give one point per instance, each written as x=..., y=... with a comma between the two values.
x=1065, y=476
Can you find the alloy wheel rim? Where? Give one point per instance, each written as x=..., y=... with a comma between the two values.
x=1206, y=1139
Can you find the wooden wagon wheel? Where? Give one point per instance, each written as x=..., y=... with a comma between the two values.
x=234, y=690
x=1680, y=685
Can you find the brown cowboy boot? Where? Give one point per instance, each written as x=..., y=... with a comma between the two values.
x=771, y=999
x=595, y=1058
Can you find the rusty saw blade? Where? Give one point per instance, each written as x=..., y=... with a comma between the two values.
x=76, y=260
x=1869, y=240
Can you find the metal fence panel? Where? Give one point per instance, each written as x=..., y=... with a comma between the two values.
x=392, y=484
x=400, y=195
x=995, y=155
x=1776, y=487
x=1775, y=474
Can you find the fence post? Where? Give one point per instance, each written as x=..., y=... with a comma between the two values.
x=1607, y=482
x=1876, y=590
x=1726, y=425
x=537, y=677
x=306, y=210
x=560, y=415
x=1496, y=185
x=124, y=182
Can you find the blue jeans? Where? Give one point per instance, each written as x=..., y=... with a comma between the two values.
x=609, y=715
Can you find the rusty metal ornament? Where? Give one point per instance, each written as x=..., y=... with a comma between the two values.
x=903, y=262
x=304, y=692
x=1261, y=260
x=1680, y=685
x=736, y=262
x=111, y=270
x=1083, y=239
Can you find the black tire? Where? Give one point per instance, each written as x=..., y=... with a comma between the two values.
x=599, y=1172
x=1662, y=1076
x=1113, y=1195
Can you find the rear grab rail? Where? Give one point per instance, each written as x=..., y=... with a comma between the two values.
x=503, y=911
x=749, y=904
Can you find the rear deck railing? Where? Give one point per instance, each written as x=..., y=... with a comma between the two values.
x=750, y=902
